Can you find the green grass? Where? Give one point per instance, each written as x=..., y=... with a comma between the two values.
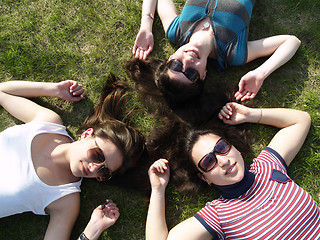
x=53, y=40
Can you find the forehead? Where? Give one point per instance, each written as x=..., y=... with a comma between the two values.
x=204, y=145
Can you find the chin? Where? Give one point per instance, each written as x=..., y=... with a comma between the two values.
x=239, y=178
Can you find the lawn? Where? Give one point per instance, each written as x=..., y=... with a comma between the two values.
x=53, y=40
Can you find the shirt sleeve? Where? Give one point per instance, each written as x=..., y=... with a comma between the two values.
x=208, y=217
x=277, y=158
x=172, y=30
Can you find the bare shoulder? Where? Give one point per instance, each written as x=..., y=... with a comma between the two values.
x=67, y=205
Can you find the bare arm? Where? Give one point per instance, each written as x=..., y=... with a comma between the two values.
x=167, y=12
x=102, y=218
x=281, y=48
x=156, y=227
x=294, y=125
x=144, y=41
x=63, y=214
x=14, y=94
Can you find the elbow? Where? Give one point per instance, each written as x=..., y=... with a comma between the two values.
x=296, y=40
x=306, y=119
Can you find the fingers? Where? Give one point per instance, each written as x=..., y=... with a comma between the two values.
x=238, y=95
x=110, y=209
x=146, y=53
x=78, y=92
x=142, y=53
x=160, y=165
x=76, y=89
x=249, y=95
x=134, y=49
x=137, y=53
x=241, y=85
x=244, y=95
x=227, y=111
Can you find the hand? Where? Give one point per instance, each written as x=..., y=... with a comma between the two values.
x=249, y=85
x=70, y=90
x=159, y=174
x=102, y=218
x=233, y=113
x=143, y=44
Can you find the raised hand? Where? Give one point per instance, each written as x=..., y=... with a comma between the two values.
x=249, y=85
x=70, y=90
x=103, y=217
x=143, y=44
x=233, y=113
x=159, y=174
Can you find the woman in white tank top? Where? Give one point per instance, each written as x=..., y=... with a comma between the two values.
x=45, y=166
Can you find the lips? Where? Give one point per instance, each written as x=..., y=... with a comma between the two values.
x=193, y=53
x=231, y=169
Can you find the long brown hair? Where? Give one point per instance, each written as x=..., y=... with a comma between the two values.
x=175, y=141
x=110, y=121
x=153, y=82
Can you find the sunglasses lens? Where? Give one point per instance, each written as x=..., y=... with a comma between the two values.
x=96, y=155
x=175, y=65
x=192, y=74
x=208, y=162
x=103, y=174
x=222, y=147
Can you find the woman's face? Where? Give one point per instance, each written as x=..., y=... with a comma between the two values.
x=190, y=57
x=91, y=149
x=229, y=168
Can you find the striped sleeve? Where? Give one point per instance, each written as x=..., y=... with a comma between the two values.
x=208, y=217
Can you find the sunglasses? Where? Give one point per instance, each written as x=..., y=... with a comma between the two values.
x=209, y=161
x=96, y=156
x=190, y=73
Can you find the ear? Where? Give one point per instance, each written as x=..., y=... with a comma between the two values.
x=202, y=177
x=87, y=133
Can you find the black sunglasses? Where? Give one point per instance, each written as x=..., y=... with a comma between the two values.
x=190, y=73
x=96, y=156
x=209, y=161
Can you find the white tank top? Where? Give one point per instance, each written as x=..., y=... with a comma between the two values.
x=21, y=190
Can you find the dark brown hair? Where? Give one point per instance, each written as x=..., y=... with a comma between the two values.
x=175, y=141
x=153, y=82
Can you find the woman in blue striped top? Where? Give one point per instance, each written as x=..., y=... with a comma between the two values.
x=216, y=29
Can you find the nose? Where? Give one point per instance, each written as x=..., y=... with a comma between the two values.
x=187, y=61
x=223, y=160
x=94, y=167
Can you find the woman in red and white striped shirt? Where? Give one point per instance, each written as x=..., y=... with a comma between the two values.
x=257, y=203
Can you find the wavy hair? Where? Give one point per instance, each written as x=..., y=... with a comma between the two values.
x=110, y=121
x=175, y=141
x=152, y=81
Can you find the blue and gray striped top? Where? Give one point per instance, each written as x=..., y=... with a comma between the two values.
x=230, y=21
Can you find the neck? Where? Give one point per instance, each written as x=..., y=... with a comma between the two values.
x=239, y=188
x=203, y=37
x=204, y=42
x=60, y=154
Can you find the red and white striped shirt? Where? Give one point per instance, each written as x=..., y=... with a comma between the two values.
x=273, y=208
